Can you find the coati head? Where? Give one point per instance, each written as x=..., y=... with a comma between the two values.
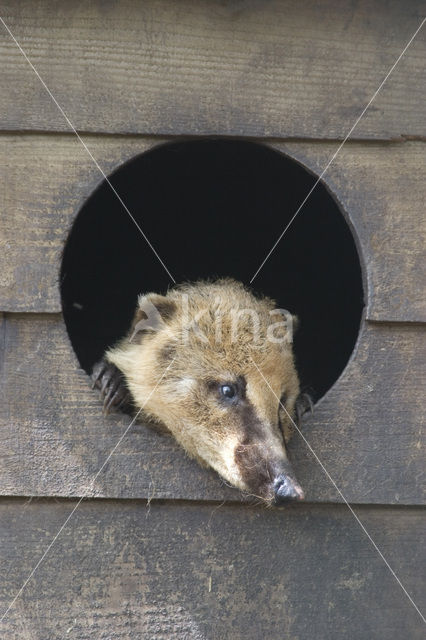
x=214, y=364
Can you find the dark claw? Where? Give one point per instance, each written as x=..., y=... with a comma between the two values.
x=304, y=403
x=115, y=399
x=98, y=371
x=117, y=391
x=105, y=382
x=111, y=383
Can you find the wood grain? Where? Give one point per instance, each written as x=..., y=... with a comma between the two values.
x=380, y=186
x=367, y=430
x=381, y=191
x=169, y=551
x=249, y=68
x=195, y=572
x=46, y=181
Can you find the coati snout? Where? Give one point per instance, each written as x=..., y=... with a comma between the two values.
x=214, y=365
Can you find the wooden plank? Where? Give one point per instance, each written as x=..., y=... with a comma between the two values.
x=380, y=186
x=383, y=196
x=191, y=572
x=367, y=430
x=46, y=180
x=274, y=69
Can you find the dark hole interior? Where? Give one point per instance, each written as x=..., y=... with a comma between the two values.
x=215, y=208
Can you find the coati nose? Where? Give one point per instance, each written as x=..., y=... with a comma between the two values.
x=286, y=489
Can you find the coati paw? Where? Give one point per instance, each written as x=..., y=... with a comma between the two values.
x=304, y=404
x=112, y=385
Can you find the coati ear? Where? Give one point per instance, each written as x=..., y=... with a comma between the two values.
x=284, y=329
x=296, y=322
x=152, y=314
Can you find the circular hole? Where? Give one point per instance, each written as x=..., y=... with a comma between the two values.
x=215, y=208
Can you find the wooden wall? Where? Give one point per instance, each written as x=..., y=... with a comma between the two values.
x=161, y=548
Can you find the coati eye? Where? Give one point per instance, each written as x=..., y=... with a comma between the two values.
x=228, y=390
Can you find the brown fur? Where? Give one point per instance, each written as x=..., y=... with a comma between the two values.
x=174, y=372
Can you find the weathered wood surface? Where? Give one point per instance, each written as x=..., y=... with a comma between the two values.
x=381, y=186
x=240, y=68
x=382, y=191
x=367, y=430
x=46, y=180
x=121, y=570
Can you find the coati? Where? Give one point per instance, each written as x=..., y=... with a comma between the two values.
x=211, y=362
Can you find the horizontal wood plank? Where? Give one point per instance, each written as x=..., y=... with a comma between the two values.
x=366, y=431
x=47, y=179
x=190, y=572
x=274, y=69
x=381, y=190
x=380, y=186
